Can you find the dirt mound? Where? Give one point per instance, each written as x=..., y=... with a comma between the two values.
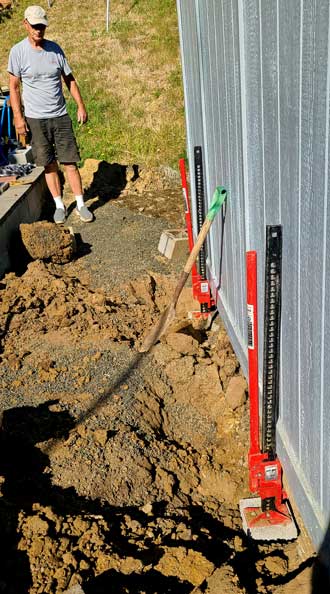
x=153, y=191
x=122, y=472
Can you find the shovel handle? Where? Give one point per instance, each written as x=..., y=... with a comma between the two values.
x=219, y=197
x=191, y=260
x=197, y=247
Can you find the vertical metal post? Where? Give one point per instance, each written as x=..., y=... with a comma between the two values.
x=108, y=15
x=252, y=315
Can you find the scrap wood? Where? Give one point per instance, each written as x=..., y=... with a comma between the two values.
x=8, y=178
x=21, y=182
x=3, y=186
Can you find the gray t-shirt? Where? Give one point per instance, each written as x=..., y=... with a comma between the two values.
x=40, y=72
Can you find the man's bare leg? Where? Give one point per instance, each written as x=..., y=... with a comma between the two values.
x=74, y=178
x=52, y=179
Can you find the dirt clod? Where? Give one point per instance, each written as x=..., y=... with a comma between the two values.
x=236, y=392
x=48, y=241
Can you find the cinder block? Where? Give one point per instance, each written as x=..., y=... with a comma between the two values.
x=173, y=244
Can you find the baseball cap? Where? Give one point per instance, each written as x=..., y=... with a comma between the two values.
x=36, y=15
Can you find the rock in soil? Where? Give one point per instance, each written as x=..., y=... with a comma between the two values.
x=48, y=241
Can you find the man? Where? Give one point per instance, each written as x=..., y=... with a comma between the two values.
x=40, y=65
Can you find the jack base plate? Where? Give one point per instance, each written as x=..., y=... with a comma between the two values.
x=274, y=525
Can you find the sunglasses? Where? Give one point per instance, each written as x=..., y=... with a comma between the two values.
x=38, y=27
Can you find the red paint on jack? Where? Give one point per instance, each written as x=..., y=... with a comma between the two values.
x=265, y=475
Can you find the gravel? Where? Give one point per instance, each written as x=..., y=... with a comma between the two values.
x=121, y=245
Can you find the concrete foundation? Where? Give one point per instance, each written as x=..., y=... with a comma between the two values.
x=21, y=203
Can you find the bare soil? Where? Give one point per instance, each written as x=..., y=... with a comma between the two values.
x=122, y=472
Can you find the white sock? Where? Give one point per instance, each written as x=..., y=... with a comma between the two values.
x=59, y=202
x=80, y=202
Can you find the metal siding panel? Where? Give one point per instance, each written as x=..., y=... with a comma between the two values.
x=227, y=281
x=192, y=87
x=254, y=129
x=254, y=143
x=289, y=119
x=229, y=290
x=215, y=77
x=217, y=152
x=234, y=159
x=268, y=42
x=237, y=187
x=223, y=69
x=325, y=400
x=314, y=103
x=326, y=354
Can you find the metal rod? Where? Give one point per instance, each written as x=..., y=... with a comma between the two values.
x=108, y=15
x=272, y=336
x=252, y=315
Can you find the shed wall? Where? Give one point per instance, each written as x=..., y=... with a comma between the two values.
x=256, y=81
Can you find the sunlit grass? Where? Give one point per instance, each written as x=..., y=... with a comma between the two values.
x=130, y=78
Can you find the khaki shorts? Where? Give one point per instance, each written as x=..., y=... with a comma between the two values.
x=53, y=139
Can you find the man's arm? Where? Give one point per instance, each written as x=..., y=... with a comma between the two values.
x=75, y=94
x=16, y=105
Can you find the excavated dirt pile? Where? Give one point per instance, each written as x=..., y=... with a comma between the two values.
x=122, y=472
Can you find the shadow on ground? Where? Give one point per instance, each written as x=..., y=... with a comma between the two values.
x=321, y=571
x=108, y=182
x=27, y=481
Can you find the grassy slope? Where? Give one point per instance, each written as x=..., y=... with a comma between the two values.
x=130, y=77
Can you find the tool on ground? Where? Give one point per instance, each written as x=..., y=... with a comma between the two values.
x=267, y=516
x=168, y=315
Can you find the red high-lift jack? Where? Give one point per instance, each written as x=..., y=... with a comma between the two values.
x=267, y=516
x=200, y=285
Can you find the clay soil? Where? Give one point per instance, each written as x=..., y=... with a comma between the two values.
x=122, y=472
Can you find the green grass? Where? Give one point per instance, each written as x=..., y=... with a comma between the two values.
x=130, y=78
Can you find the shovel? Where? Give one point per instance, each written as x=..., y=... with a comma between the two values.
x=168, y=314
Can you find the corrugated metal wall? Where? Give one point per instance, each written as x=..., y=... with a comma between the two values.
x=257, y=84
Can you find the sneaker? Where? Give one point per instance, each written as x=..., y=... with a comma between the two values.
x=85, y=215
x=60, y=216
